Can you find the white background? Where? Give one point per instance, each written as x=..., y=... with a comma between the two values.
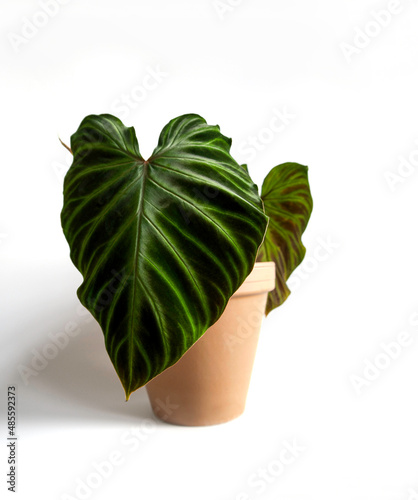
x=351, y=117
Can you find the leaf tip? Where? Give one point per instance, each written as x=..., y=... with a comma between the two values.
x=127, y=390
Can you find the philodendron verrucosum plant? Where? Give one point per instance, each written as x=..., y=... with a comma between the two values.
x=163, y=243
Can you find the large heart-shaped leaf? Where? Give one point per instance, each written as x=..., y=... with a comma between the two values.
x=288, y=203
x=162, y=244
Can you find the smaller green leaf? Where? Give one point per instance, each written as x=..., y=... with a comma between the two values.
x=288, y=203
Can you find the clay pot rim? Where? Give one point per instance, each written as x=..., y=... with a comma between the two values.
x=260, y=280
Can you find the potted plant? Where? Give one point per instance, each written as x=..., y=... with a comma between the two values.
x=165, y=244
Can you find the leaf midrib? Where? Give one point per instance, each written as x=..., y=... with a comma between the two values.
x=143, y=177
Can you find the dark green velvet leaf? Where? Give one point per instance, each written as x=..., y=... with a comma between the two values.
x=162, y=244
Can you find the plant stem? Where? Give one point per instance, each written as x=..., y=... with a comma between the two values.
x=65, y=146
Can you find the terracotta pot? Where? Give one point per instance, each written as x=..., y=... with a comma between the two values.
x=209, y=384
